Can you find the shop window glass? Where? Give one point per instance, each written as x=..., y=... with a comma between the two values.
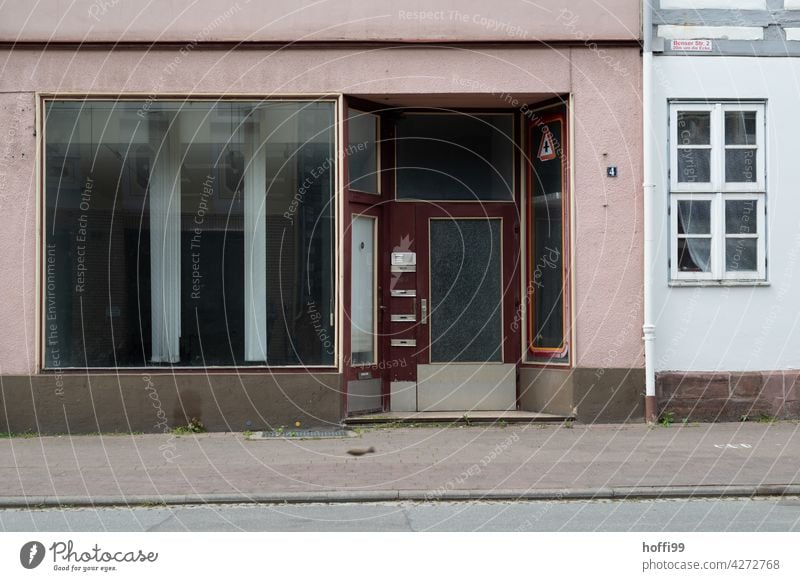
x=188, y=233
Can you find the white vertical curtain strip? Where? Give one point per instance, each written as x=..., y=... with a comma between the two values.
x=255, y=240
x=165, y=243
x=696, y=245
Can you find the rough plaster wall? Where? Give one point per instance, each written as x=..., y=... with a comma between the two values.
x=608, y=211
x=18, y=233
x=365, y=71
x=329, y=20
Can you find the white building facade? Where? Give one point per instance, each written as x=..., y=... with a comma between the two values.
x=725, y=220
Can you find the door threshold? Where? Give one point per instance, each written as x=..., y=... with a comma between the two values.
x=510, y=416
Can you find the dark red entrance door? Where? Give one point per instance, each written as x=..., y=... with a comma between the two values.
x=449, y=306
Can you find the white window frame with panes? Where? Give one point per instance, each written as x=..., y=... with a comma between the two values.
x=717, y=198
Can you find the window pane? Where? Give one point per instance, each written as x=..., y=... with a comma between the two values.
x=212, y=235
x=740, y=165
x=98, y=162
x=466, y=296
x=456, y=157
x=694, y=127
x=694, y=217
x=740, y=217
x=362, y=152
x=694, y=165
x=157, y=222
x=740, y=128
x=694, y=254
x=299, y=222
x=362, y=304
x=741, y=254
x=546, y=279
x=545, y=285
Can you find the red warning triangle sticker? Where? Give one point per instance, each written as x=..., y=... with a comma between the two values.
x=547, y=150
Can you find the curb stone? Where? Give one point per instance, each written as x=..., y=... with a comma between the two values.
x=346, y=496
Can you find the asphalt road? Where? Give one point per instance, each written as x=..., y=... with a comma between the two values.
x=765, y=514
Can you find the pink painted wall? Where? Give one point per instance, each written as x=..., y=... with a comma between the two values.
x=17, y=233
x=316, y=20
x=605, y=85
x=608, y=211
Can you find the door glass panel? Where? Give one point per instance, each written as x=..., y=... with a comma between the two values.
x=362, y=309
x=466, y=297
x=456, y=157
x=362, y=151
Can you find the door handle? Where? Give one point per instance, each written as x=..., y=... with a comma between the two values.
x=423, y=311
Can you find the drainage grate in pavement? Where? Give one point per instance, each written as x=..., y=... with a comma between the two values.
x=301, y=434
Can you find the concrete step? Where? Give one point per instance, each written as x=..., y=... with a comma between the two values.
x=513, y=416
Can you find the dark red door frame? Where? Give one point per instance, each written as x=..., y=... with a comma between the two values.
x=356, y=202
x=555, y=111
x=387, y=209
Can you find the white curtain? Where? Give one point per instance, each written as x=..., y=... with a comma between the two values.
x=698, y=247
x=165, y=242
x=255, y=239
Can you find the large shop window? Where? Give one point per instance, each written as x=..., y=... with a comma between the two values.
x=717, y=192
x=188, y=233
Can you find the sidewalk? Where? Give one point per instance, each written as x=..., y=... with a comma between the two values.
x=516, y=461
